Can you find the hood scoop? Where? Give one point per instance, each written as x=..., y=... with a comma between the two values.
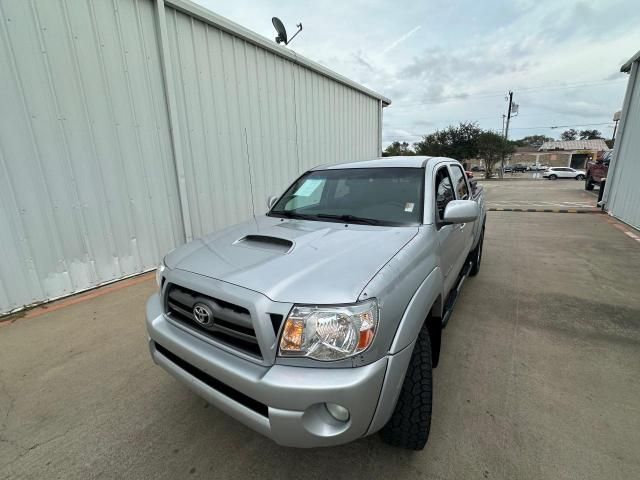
x=265, y=242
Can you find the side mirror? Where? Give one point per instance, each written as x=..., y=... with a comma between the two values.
x=271, y=201
x=461, y=211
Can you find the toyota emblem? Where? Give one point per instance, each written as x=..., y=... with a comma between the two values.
x=202, y=314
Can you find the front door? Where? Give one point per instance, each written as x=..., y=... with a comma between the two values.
x=450, y=237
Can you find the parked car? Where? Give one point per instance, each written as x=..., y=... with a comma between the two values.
x=320, y=322
x=477, y=168
x=519, y=167
x=537, y=167
x=553, y=173
x=507, y=169
x=596, y=171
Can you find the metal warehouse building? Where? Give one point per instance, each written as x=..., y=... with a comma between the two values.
x=130, y=126
x=622, y=193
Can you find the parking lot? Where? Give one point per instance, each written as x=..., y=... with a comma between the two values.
x=539, y=375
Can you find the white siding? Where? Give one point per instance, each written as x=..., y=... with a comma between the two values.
x=121, y=117
x=87, y=184
x=252, y=119
x=622, y=182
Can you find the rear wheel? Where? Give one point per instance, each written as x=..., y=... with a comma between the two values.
x=580, y=177
x=476, y=256
x=410, y=422
x=553, y=177
x=588, y=183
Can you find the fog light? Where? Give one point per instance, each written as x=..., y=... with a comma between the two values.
x=338, y=412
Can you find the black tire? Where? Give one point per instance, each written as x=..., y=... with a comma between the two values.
x=476, y=256
x=580, y=177
x=588, y=184
x=410, y=422
x=553, y=177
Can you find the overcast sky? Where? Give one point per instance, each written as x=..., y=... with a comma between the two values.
x=445, y=61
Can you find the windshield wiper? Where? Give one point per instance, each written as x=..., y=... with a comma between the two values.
x=349, y=218
x=289, y=214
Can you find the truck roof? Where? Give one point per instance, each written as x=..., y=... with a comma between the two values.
x=414, y=161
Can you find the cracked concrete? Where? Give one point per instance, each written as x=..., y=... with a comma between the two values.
x=539, y=378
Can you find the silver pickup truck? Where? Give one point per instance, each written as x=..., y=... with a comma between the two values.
x=320, y=322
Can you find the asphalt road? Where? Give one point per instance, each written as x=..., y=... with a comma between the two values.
x=539, y=377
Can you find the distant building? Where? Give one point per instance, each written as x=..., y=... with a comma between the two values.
x=572, y=153
x=621, y=194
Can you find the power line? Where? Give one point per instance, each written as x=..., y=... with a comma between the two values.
x=445, y=99
x=488, y=117
x=517, y=128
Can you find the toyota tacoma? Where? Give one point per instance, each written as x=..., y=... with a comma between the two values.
x=320, y=322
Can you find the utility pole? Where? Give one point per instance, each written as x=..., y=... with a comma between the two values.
x=506, y=131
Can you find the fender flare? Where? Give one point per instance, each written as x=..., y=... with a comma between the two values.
x=418, y=310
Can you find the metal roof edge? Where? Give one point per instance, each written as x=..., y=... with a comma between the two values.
x=233, y=28
x=626, y=68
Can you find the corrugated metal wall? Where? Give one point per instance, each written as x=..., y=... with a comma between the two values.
x=622, y=183
x=89, y=162
x=87, y=183
x=252, y=117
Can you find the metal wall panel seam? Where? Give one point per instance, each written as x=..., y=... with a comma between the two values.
x=109, y=228
x=176, y=141
x=137, y=131
x=109, y=96
x=225, y=97
x=156, y=114
x=295, y=111
x=250, y=114
x=223, y=146
x=183, y=121
x=23, y=246
x=50, y=216
x=198, y=191
x=216, y=194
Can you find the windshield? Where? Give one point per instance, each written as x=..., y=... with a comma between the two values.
x=376, y=196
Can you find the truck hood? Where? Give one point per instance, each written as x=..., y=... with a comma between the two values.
x=296, y=261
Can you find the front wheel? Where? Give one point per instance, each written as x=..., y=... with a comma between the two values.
x=553, y=177
x=580, y=177
x=410, y=422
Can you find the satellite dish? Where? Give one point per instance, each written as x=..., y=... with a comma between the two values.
x=282, y=32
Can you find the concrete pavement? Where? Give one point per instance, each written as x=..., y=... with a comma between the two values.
x=539, y=378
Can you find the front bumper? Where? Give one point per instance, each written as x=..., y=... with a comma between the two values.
x=284, y=403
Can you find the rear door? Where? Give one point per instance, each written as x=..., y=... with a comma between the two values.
x=450, y=237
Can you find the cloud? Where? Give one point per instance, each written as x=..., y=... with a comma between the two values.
x=463, y=57
x=399, y=40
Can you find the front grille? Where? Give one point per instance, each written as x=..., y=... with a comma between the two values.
x=231, y=323
x=214, y=383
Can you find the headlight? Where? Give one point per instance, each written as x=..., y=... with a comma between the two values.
x=329, y=333
x=161, y=268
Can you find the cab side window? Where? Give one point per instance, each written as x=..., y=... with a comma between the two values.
x=460, y=183
x=444, y=191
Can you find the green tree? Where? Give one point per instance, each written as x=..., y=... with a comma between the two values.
x=459, y=142
x=491, y=147
x=571, y=134
x=397, y=148
x=590, y=134
x=535, y=141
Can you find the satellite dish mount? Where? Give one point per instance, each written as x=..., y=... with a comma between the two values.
x=282, y=32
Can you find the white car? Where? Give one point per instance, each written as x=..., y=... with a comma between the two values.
x=553, y=173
